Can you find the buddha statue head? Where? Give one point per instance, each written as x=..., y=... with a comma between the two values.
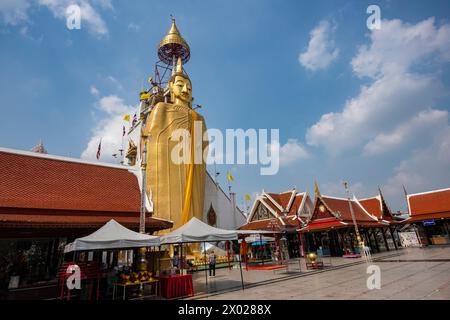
x=180, y=87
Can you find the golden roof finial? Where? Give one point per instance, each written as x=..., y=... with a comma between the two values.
x=173, y=46
x=316, y=190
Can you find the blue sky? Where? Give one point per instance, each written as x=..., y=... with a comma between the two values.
x=370, y=107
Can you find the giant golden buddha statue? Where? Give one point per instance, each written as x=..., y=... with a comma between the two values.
x=177, y=188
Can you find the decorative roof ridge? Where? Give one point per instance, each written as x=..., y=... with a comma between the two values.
x=63, y=158
x=364, y=209
x=336, y=198
x=370, y=198
x=427, y=192
x=273, y=201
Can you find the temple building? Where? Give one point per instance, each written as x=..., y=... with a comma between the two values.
x=430, y=213
x=331, y=228
x=282, y=213
x=47, y=201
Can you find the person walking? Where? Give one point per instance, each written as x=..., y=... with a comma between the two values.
x=176, y=260
x=212, y=264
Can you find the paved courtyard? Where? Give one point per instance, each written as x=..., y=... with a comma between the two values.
x=413, y=273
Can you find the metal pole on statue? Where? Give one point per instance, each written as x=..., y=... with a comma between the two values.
x=143, y=191
x=142, y=266
x=358, y=237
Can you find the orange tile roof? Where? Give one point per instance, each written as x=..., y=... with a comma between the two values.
x=283, y=200
x=373, y=206
x=432, y=203
x=66, y=191
x=342, y=206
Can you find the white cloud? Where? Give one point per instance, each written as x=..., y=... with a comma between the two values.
x=14, y=12
x=321, y=51
x=422, y=125
x=396, y=93
x=379, y=107
x=108, y=129
x=291, y=152
x=426, y=169
x=398, y=46
x=133, y=26
x=113, y=105
x=115, y=82
x=104, y=4
x=94, y=91
x=89, y=16
x=394, y=114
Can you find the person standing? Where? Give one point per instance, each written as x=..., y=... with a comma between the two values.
x=212, y=264
x=176, y=260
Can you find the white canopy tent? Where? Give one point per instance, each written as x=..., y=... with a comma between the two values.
x=112, y=236
x=198, y=231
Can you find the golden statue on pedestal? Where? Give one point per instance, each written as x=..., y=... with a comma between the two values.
x=177, y=188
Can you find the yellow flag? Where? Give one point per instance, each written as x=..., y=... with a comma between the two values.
x=126, y=117
x=230, y=177
x=248, y=197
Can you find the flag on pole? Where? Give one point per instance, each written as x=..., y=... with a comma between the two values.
x=229, y=176
x=134, y=119
x=126, y=117
x=123, y=134
x=248, y=197
x=99, y=149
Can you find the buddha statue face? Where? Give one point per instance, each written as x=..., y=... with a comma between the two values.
x=181, y=89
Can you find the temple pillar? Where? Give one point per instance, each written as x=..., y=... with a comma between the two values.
x=393, y=238
x=374, y=234
x=383, y=232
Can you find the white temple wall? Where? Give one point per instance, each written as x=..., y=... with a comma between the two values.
x=222, y=206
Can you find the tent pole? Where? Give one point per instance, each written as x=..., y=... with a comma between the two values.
x=240, y=268
x=260, y=248
x=245, y=254
x=227, y=245
x=206, y=271
x=181, y=271
x=159, y=262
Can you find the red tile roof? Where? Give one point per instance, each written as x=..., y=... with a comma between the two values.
x=373, y=205
x=283, y=200
x=429, y=202
x=338, y=215
x=429, y=205
x=65, y=190
x=342, y=206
